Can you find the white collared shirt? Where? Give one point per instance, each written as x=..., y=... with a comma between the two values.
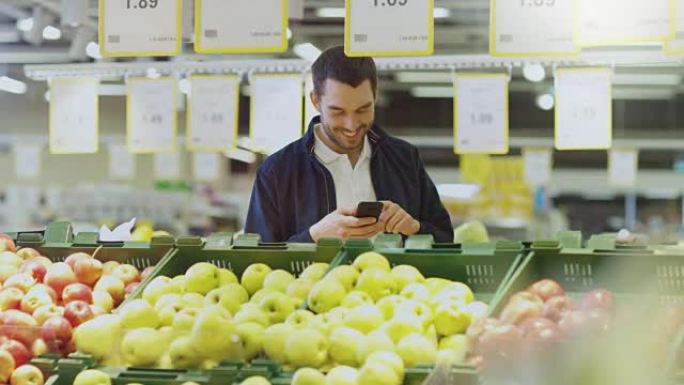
x=352, y=185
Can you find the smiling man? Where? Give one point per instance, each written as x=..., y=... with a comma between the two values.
x=310, y=189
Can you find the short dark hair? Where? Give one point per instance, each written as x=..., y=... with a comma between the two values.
x=334, y=64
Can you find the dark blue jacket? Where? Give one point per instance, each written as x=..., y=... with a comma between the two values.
x=293, y=190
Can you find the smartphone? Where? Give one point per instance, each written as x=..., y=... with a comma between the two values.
x=369, y=210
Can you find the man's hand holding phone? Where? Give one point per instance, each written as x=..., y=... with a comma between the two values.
x=348, y=223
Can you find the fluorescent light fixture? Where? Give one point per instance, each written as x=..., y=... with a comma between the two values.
x=51, y=33
x=432, y=92
x=184, y=85
x=534, y=72
x=288, y=34
x=12, y=86
x=307, y=51
x=93, y=50
x=461, y=192
x=243, y=156
x=647, y=79
x=545, y=102
x=25, y=25
x=152, y=73
x=424, y=77
x=441, y=13
x=331, y=12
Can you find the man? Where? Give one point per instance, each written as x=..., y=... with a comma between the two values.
x=310, y=189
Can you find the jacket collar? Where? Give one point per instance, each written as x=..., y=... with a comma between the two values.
x=376, y=136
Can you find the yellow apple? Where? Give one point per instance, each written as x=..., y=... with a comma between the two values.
x=92, y=377
x=346, y=275
x=202, y=277
x=418, y=309
x=457, y=291
x=255, y=380
x=214, y=334
x=98, y=336
x=299, y=289
x=451, y=318
x=436, y=284
x=370, y=260
x=157, y=287
x=184, y=319
x=277, y=306
x=251, y=312
x=183, y=355
x=417, y=292
x=226, y=276
x=388, y=305
x=325, y=295
x=377, y=283
x=404, y=275
x=138, y=314
x=259, y=295
x=401, y=326
x=300, y=319
x=230, y=296
x=142, y=347
x=477, y=310
x=193, y=300
x=376, y=341
x=308, y=376
x=178, y=282
x=104, y=300
x=275, y=341
x=306, y=348
x=253, y=277
x=364, y=318
x=252, y=337
x=390, y=359
x=375, y=373
x=459, y=346
x=342, y=375
x=314, y=272
x=356, y=298
x=416, y=349
x=344, y=345
x=278, y=280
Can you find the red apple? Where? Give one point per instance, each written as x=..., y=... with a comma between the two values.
x=548, y=333
x=77, y=292
x=19, y=326
x=598, y=320
x=35, y=300
x=109, y=266
x=522, y=306
x=46, y=312
x=599, y=298
x=57, y=333
x=19, y=351
x=75, y=257
x=59, y=276
x=69, y=348
x=27, y=375
x=478, y=327
x=45, y=261
x=41, y=287
x=39, y=347
x=21, y=281
x=131, y=287
x=7, y=243
x=146, y=272
x=546, y=288
x=127, y=273
x=36, y=269
x=10, y=298
x=112, y=285
x=27, y=253
x=77, y=312
x=574, y=323
x=531, y=324
x=6, y=366
x=556, y=307
x=502, y=342
x=88, y=271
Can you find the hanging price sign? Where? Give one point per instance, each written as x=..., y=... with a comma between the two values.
x=151, y=115
x=212, y=118
x=74, y=116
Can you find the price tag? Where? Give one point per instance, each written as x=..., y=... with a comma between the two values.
x=167, y=166
x=613, y=22
x=121, y=162
x=74, y=116
x=276, y=111
x=538, y=163
x=213, y=113
x=206, y=166
x=310, y=110
x=622, y=167
x=27, y=160
x=584, y=108
x=533, y=28
x=240, y=26
x=481, y=114
x=389, y=28
x=140, y=27
x=151, y=115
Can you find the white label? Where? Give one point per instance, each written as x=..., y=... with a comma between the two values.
x=609, y=22
x=140, y=27
x=276, y=111
x=151, y=115
x=27, y=160
x=537, y=166
x=389, y=27
x=167, y=166
x=481, y=114
x=622, y=167
x=310, y=110
x=240, y=26
x=73, y=116
x=533, y=27
x=583, y=109
x=206, y=166
x=121, y=162
x=212, y=113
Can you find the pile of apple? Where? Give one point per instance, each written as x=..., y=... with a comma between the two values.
x=41, y=302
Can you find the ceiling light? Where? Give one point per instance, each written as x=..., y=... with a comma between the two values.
x=545, y=102
x=93, y=50
x=432, y=92
x=307, y=51
x=152, y=73
x=424, y=77
x=13, y=86
x=330, y=12
x=534, y=72
x=25, y=25
x=441, y=13
x=51, y=33
x=184, y=85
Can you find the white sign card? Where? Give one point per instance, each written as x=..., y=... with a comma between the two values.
x=276, y=111
x=73, y=116
x=611, y=22
x=310, y=111
x=167, y=165
x=623, y=167
x=206, y=166
x=121, y=162
x=240, y=26
x=151, y=115
x=27, y=160
x=213, y=113
x=584, y=106
x=538, y=164
x=678, y=16
x=481, y=114
x=389, y=28
x=533, y=28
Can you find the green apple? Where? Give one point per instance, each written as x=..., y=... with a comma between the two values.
x=344, y=345
x=98, y=336
x=142, y=347
x=417, y=349
x=202, y=277
x=306, y=348
x=278, y=280
x=390, y=359
x=401, y=326
x=457, y=291
x=324, y=323
x=139, y=314
x=370, y=260
x=377, y=283
x=376, y=373
x=300, y=319
x=213, y=334
x=346, y=275
x=167, y=315
x=458, y=344
x=92, y=377
x=252, y=337
x=299, y=289
x=253, y=277
x=471, y=232
x=477, y=310
x=275, y=341
x=451, y=318
x=251, y=312
x=255, y=380
x=388, y=305
x=375, y=341
x=230, y=296
x=417, y=292
x=405, y=275
x=173, y=299
x=338, y=313
x=184, y=319
x=418, y=309
x=178, y=282
x=259, y=295
x=183, y=354
x=325, y=295
x=226, y=276
x=342, y=375
x=356, y=298
x=314, y=272
x=308, y=376
x=436, y=284
x=364, y=318
x=277, y=306
x=193, y=300
x=157, y=287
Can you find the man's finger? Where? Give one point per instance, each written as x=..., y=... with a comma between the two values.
x=348, y=211
x=403, y=226
x=354, y=222
x=394, y=221
x=389, y=213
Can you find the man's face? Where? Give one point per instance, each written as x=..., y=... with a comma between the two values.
x=347, y=113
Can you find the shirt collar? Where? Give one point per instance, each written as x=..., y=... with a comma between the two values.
x=328, y=155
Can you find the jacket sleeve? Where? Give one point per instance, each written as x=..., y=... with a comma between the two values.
x=263, y=217
x=434, y=219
